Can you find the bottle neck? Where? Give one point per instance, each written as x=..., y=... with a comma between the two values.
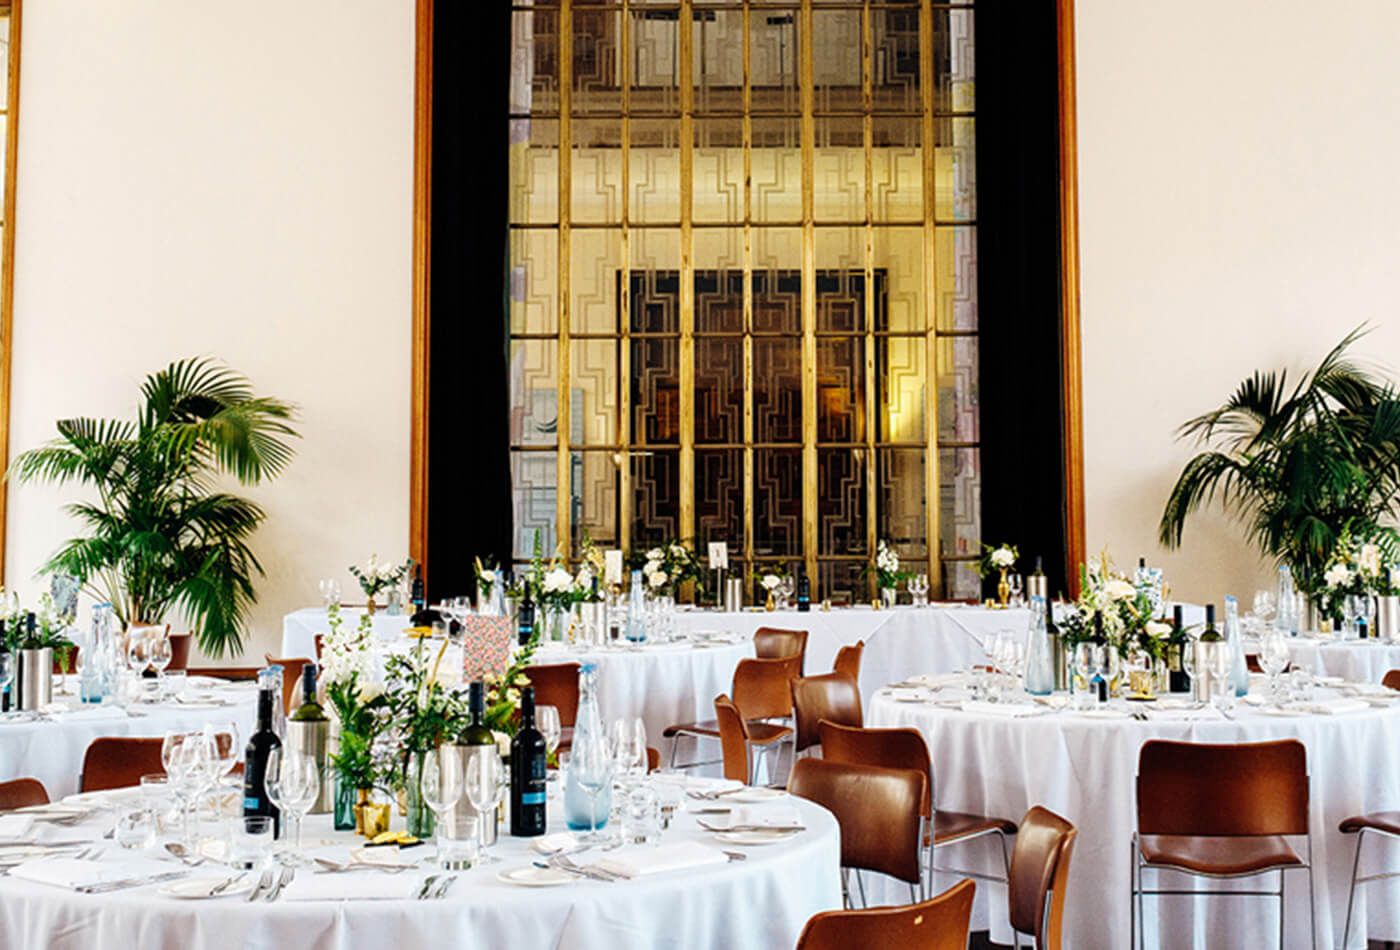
x=264, y=710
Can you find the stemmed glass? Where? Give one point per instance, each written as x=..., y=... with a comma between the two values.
x=293, y=781
x=484, y=787
x=159, y=654
x=1273, y=658
x=1220, y=660
x=918, y=589
x=1086, y=658
x=137, y=659
x=189, y=761
x=441, y=787
x=629, y=747
x=1263, y=605
x=330, y=591
x=592, y=765
x=1016, y=582
x=547, y=721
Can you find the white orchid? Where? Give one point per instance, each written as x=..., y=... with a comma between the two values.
x=557, y=581
x=1158, y=629
x=1119, y=589
x=657, y=579
x=771, y=581
x=1338, y=575
x=1368, y=561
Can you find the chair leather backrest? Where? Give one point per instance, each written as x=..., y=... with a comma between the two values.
x=1193, y=788
x=900, y=748
x=119, y=762
x=180, y=651
x=761, y=687
x=21, y=793
x=556, y=684
x=877, y=809
x=774, y=643
x=937, y=924
x=833, y=697
x=291, y=677
x=848, y=660
x=1040, y=869
x=733, y=739
x=1391, y=679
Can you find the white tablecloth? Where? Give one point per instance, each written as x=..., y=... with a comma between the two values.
x=1085, y=769
x=300, y=627
x=1359, y=661
x=760, y=903
x=52, y=751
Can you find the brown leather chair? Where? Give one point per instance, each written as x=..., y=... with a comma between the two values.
x=653, y=758
x=320, y=642
x=762, y=693
x=1391, y=679
x=1040, y=877
x=180, y=651
x=878, y=811
x=775, y=643
x=733, y=740
x=291, y=677
x=905, y=748
x=1220, y=811
x=21, y=793
x=833, y=697
x=556, y=684
x=1383, y=823
x=848, y=660
x=119, y=762
x=230, y=673
x=937, y=924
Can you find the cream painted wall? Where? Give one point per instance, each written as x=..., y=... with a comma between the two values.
x=200, y=178
x=1238, y=209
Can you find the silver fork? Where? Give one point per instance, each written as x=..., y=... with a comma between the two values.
x=283, y=880
x=427, y=886
x=443, y=887
x=263, y=884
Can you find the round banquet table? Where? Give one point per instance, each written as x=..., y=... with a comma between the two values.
x=51, y=749
x=761, y=903
x=663, y=683
x=1084, y=769
x=1357, y=661
x=299, y=628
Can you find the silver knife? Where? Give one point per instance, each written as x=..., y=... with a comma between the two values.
x=263, y=884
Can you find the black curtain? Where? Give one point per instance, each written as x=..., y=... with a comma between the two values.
x=1018, y=286
x=469, y=497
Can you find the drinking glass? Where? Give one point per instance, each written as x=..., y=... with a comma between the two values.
x=293, y=781
x=629, y=748
x=136, y=661
x=1221, y=659
x=484, y=778
x=1273, y=658
x=250, y=842
x=547, y=721
x=1085, y=662
x=158, y=655
x=441, y=787
x=135, y=827
x=592, y=766
x=189, y=761
x=1264, y=604
x=641, y=817
x=228, y=750
x=330, y=591
x=1017, y=587
x=176, y=682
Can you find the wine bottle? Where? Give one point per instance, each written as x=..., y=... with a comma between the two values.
x=5, y=693
x=260, y=746
x=804, y=590
x=526, y=619
x=1210, y=634
x=416, y=590
x=1036, y=585
x=478, y=740
x=307, y=732
x=527, y=773
x=1178, y=680
x=1100, y=680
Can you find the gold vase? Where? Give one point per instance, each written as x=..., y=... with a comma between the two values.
x=1003, y=589
x=371, y=817
x=770, y=605
x=370, y=605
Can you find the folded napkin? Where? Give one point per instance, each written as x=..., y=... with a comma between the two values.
x=1336, y=707
x=74, y=873
x=107, y=796
x=1110, y=712
x=696, y=783
x=938, y=680
x=1004, y=710
x=1379, y=690
x=778, y=815
x=362, y=885
x=15, y=827
x=555, y=843
x=904, y=694
x=677, y=856
x=63, y=713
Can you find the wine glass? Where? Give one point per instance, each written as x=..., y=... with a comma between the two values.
x=484, y=777
x=159, y=654
x=441, y=786
x=330, y=591
x=547, y=721
x=1273, y=659
x=189, y=759
x=1085, y=662
x=1220, y=660
x=1016, y=582
x=629, y=745
x=227, y=749
x=1264, y=604
x=293, y=781
x=592, y=766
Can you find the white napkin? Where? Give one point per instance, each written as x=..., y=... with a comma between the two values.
x=15, y=827
x=1004, y=710
x=1106, y=712
x=555, y=843
x=107, y=796
x=677, y=856
x=74, y=873
x=903, y=694
x=1336, y=707
x=696, y=783
x=63, y=713
x=769, y=816
x=938, y=680
x=361, y=885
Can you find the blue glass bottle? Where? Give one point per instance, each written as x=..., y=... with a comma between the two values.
x=581, y=814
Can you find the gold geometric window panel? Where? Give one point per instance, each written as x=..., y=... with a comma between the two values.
x=743, y=282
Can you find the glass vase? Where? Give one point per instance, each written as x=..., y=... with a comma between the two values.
x=344, y=805
x=419, y=816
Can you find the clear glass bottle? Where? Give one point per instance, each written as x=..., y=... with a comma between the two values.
x=1040, y=662
x=1286, y=618
x=1239, y=669
x=636, y=611
x=579, y=811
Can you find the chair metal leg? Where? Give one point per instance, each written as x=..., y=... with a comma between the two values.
x=860, y=885
x=675, y=741
x=1351, y=894
x=1312, y=897
x=913, y=897
x=1282, y=903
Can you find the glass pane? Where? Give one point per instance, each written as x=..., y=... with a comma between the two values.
x=899, y=254
x=718, y=171
x=593, y=375
x=534, y=392
x=840, y=280
x=535, y=476
x=773, y=56
x=841, y=389
x=595, y=262
x=838, y=169
x=655, y=302
x=954, y=60
x=656, y=397
x=896, y=168
x=777, y=280
x=957, y=389
x=842, y=582
x=961, y=581
x=534, y=262
x=777, y=494
x=656, y=488
x=841, y=501
x=719, y=281
x=596, y=177
x=895, y=78
x=719, y=500
x=777, y=389
x=776, y=163
x=900, y=375
x=593, y=502
x=596, y=68
x=836, y=53
x=899, y=498
x=534, y=61
x=719, y=389
x=955, y=170
x=957, y=278
x=654, y=170
x=655, y=60
x=717, y=51
x=960, y=500
x=534, y=171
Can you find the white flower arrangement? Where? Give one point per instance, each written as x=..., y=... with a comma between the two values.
x=997, y=559
x=771, y=582
x=1357, y=566
x=665, y=567
x=375, y=577
x=1110, y=603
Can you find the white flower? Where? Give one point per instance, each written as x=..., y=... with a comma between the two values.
x=771, y=581
x=584, y=579
x=387, y=571
x=657, y=579
x=655, y=554
x=372, y=565
x=557, y=580
x=1337, y=576
x=677, y=550
x=1156, y=628
x=1002, y=557
x=1369, y=560
x=652, y=566
x=1119, y=589
x=370, y=691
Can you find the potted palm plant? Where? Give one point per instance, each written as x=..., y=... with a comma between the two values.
x=1304, y=466
x=160, y=536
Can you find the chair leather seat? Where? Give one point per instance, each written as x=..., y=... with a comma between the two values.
x=1219, y=855
x=952, y=825
x=760, y=732
x=1386, y=821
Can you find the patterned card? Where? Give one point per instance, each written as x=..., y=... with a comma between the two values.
x=485, y=646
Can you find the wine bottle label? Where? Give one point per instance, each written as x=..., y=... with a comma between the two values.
x=252, y=804
x=532, y=798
